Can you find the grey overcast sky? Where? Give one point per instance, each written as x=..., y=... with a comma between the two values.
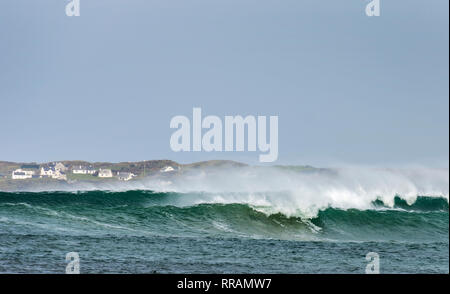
x=348, y=89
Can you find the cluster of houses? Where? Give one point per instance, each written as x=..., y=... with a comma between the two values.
x=58, y=170
x=102, y=173
x=51, y=170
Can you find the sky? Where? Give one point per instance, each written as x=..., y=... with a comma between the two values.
x=348, y=89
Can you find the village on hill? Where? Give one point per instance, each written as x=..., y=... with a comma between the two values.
x=21, y=176
x=66, y=172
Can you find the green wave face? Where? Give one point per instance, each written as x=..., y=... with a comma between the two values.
x=146, y=213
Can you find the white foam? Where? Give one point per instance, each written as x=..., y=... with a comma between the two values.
x=293, y=193
x=304, y=194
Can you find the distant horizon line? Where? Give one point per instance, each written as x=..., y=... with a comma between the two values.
x=343, y=165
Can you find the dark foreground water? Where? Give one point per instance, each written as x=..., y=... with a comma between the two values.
x=147, y=232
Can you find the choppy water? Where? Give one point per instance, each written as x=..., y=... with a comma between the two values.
x=143, y=232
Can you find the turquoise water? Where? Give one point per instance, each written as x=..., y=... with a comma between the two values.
x=148, y=232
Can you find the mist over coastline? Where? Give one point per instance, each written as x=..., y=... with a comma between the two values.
x=291, y=190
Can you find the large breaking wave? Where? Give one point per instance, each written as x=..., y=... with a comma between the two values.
x=288, y=191
x=351, y=204
x=143, y=213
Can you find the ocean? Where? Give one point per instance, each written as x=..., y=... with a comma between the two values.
x=145, y=231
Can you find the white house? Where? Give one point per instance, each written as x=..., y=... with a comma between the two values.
x=125, y=176
x=105, y=173
x=167, y=169
x=84, y=170
x=47, y=171
x=20, y=174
